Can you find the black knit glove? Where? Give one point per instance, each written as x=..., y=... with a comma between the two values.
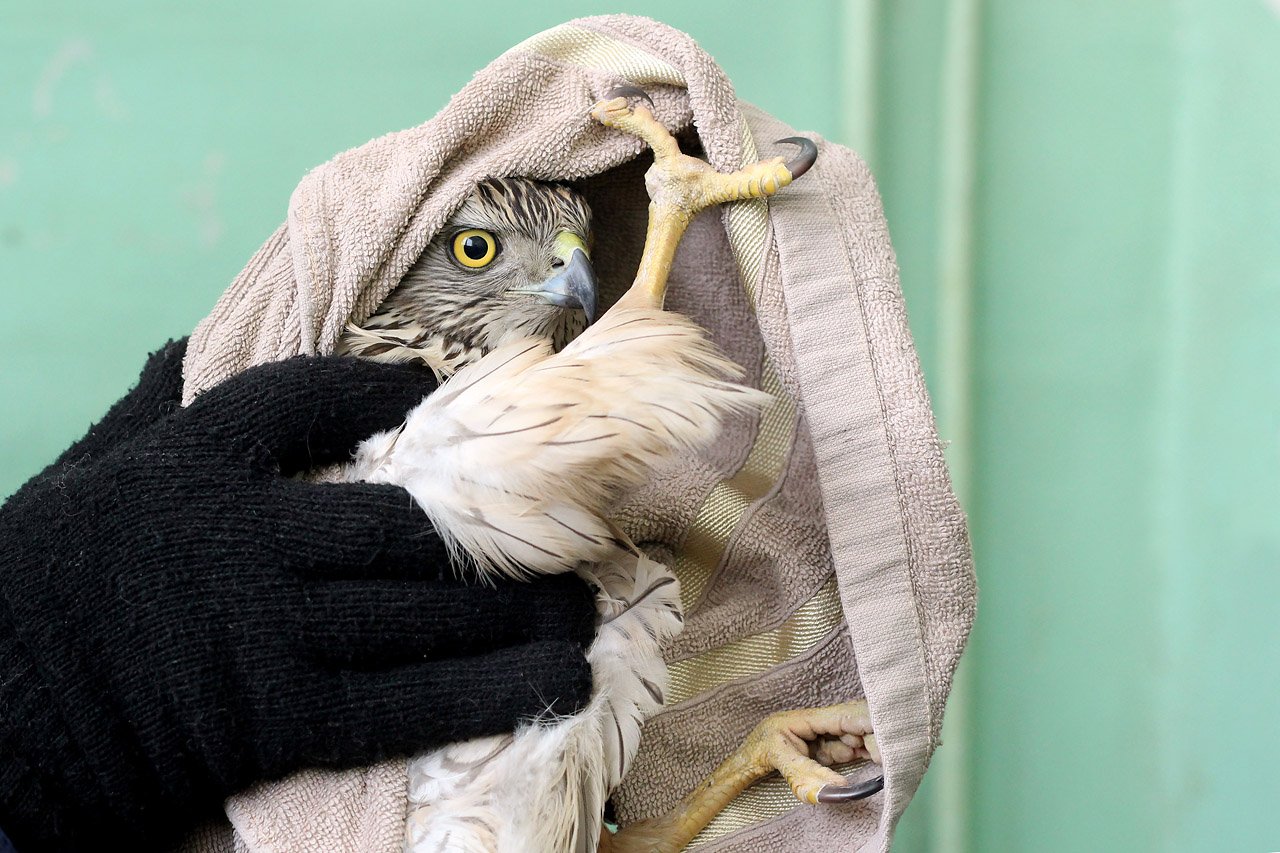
x=178, y=619
x=157, y=394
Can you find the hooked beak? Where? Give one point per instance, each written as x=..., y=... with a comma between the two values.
x=574, y=283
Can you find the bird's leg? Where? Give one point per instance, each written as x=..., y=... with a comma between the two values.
x=796, y=744
x=681, y=186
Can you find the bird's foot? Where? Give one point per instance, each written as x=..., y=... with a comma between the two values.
x=616, y=111
x=681, y=186
x=803, y=746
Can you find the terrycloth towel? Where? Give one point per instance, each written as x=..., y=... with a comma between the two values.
x=821, y=551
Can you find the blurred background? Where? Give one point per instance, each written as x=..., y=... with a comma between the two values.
x=1085, y=201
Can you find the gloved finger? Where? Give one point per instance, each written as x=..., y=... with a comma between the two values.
x=559, y=607
x=158, y=393
x=162, y=374
x=351, y=718
x=312, y=411
x=337, y=531
x=386, y=622
x=351, y=530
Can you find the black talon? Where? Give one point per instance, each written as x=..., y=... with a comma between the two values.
x=800, y=164
x=629, y=91
x=829, y=794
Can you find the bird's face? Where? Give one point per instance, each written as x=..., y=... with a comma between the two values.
x=512, y=262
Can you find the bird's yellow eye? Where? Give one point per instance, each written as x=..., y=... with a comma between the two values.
x=474, y=248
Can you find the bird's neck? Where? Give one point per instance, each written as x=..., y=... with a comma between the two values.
x=453, y=336
x=438, y=352
x=442, y=353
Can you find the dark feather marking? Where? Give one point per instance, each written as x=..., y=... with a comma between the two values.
x=475, y=482
x=704, y=409
x=477, y=517
x=595, y=540
x=547, y=422
x=378, y=349
x=667, y=581
x=654, y=690
x=449, y=396
x=621, y=751
x=508, y=410
x=675, y=412
x=559, y=365
x=647, y=337
x=713, y=384
x=611, y=342
x=633, y=320
x=579, y=440
x=497, y=750
x=644, y=427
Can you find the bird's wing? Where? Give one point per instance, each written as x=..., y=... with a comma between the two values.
x=519, y=457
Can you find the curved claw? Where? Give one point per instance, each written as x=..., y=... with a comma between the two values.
x=628, y=91
x=800, y=164
x=829, y=794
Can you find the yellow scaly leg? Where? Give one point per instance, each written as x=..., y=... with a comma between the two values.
x=681, y=186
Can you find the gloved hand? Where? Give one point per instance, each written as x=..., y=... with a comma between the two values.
x=158, y=393
x=179, y=619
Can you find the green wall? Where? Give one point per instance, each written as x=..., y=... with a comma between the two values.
x=1090, y=247
x=1085, y=198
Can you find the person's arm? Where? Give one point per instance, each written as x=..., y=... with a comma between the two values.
x=179, y=618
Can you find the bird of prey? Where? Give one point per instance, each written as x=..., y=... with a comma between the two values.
x=547, y=417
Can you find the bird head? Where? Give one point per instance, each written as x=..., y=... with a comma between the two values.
x=513, y=261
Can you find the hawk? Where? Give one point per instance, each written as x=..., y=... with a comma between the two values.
x=548, y=415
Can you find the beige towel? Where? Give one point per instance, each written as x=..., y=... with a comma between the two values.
x=821, y=551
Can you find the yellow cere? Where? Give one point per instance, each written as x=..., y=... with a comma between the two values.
x=475, y=248
x=565, y=243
